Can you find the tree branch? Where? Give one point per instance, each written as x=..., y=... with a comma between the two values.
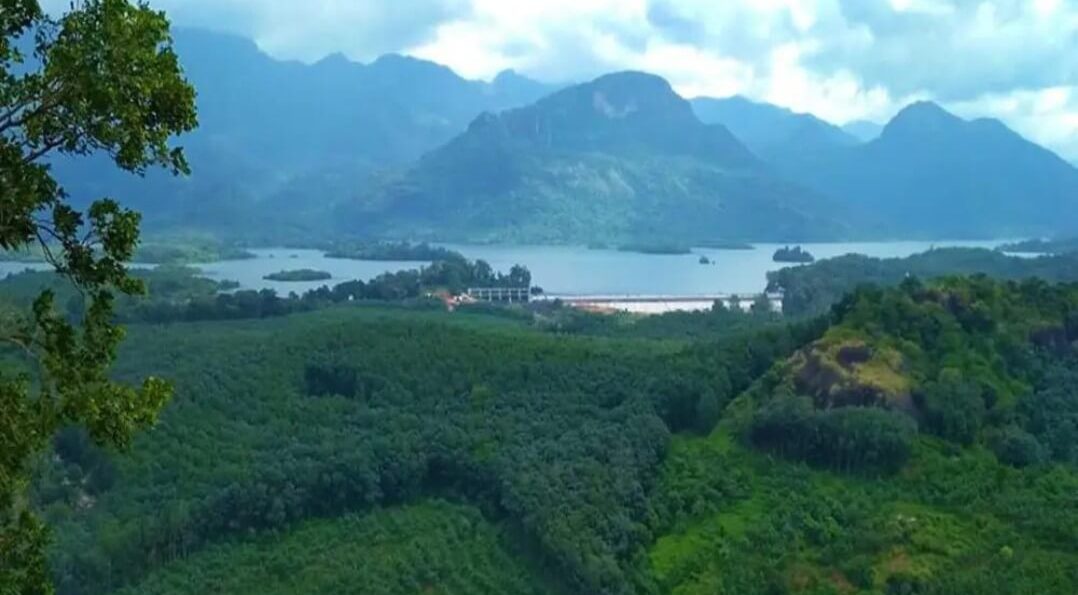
x=43, y=150
x=47, y=100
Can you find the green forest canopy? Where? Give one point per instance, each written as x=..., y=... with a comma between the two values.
x=936, y=456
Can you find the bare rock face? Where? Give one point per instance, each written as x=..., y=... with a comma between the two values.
x=850, y=372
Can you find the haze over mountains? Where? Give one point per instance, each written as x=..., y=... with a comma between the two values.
x=290, y=133
x=406, y=148
x=931, y=174
x=769, y=130
x=863, y=130
x=618, y=159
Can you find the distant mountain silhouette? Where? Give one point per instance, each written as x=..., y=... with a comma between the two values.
x=297, y=132
x=863, y=130
x=932, y=174
x=402, y=146
x=769, y=130
x=622, y=157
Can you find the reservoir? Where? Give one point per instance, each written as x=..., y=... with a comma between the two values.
x=564, y=270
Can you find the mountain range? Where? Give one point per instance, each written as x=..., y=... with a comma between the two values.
x=406, y=148
x=931, y=174
x=771, y=131
x=622, y=158
x=282, y=132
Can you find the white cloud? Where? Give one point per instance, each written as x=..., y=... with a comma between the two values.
x=311, y=29
x=1046, y=116
x=839, y=59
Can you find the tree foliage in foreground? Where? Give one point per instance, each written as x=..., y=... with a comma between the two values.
x=102, y=78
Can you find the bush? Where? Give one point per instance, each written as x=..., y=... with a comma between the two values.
x=1017, y=447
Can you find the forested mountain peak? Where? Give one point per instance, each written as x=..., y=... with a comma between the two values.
x=622, y=158
x=620, y=113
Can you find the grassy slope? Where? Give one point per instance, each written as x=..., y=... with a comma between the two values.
x=431, y=547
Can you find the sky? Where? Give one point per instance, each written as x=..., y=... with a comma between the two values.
x=842, y=60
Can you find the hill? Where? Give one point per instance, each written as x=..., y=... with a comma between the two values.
x=769, y=130
x=904, y=451
x=620, y=159
x=812, y=290
x=931, y=174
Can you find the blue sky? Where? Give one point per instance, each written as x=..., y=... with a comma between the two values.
x=840, y=59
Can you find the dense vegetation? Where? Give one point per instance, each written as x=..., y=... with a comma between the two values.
x=173, y=249
x=166, y=286
x=299, y=275
x=188, y=249
x=812, y=290
x=1040, y=246
x=97, y=77
x=922, y=439
x=913, y=438
x=431, y=547
x=794, y=255
x=180, y=294
x=561, y=437
x=922, y=415
x=402, y=251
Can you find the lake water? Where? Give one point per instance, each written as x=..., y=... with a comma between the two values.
x=249, y=273
x=575, y=270
x=564, y=270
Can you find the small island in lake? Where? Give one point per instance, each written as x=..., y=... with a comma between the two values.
x=299, y=275
x=726, y=245
x=705, y=260
x=794, y=255
x=655, y=248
